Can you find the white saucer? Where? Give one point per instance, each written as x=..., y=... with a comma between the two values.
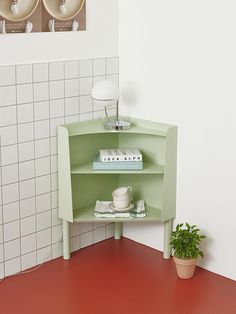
x=122, y=210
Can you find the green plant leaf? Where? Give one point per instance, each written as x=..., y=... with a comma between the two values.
x=186, y=241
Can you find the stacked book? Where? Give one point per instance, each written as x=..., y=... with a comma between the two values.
x=118, y=159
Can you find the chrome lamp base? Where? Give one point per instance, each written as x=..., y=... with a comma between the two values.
x=117, y=125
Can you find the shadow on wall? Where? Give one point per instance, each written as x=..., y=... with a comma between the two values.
x=130, y=93
x=205, y=245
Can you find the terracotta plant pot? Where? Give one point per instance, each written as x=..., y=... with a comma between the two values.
x=185, y=267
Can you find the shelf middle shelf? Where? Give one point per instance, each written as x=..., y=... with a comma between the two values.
x=86, y=214
x=87, y=168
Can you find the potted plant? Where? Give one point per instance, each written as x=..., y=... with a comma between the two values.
x=186, y=249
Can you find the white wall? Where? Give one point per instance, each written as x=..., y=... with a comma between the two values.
x=181, y=54
x=100, y=39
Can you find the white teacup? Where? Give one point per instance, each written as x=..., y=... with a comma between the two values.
x=122, y=197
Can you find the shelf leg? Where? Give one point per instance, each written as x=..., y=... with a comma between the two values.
x=118, y=230
x=167, y=235
x=66, y=239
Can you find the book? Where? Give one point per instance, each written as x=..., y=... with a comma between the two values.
x=122, y=165
x=120, y=155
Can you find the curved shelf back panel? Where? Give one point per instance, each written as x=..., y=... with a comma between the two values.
x=40, y=14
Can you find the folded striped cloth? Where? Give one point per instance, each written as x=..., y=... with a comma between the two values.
x=103, y=210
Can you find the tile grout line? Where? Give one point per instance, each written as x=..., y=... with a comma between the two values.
x=35, y=184
x=18, y=168
x=50, y=192
x=3, y=250
x=93, y=119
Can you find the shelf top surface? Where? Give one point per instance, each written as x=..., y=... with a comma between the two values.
x=86, y=214
x=137, y=126
x=87, y=168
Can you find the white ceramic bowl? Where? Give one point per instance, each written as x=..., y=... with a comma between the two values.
x=121, y=193
x=120, y=204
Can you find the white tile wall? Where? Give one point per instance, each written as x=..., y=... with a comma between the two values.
x=26, y=170
x=24, y=74
x=11, y=231
x=28, y=225
x=40, y=72
x=99, y=67
x=86, y=68
x=42, y=148
x=25, y=132
x=28, y=260
x=9, y=174
x=41, y=91
x=12, y=249
x=12, y=266
x=7, y=115
x=27, y=189
x=28, y=243
x=9, y=155
x=27, y=207
x=71, y=88
x=7, y=95
x=25, y=113
x=71, y=106
x=26, y=151
x=11, y=212
x=8, y=135
x=10, y=193
x=34, y=100
x=56, y=71
x=86, y=239
x=85, y=85
x=41, y=110
x=7, y=75
x=71, y=69
x=24, y=93
x=57, y=108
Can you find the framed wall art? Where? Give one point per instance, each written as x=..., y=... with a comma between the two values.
x=26, y=16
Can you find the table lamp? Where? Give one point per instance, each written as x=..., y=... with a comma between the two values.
x=106, y=93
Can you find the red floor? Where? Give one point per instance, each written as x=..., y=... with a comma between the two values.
x=116, y=277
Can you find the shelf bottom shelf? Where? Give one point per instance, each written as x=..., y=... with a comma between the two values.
x=86, y=214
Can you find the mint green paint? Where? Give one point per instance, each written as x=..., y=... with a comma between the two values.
x=87, y=168
x=64, y=177
x=66, y=239
x=80, y=186
x=167, y=235
x=169, y=183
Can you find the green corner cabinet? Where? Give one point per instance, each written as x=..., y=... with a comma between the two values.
x=80, y=186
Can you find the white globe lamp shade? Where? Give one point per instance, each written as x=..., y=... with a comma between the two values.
x=105, y=93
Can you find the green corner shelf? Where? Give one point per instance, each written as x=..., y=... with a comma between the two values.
x=80, y=186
